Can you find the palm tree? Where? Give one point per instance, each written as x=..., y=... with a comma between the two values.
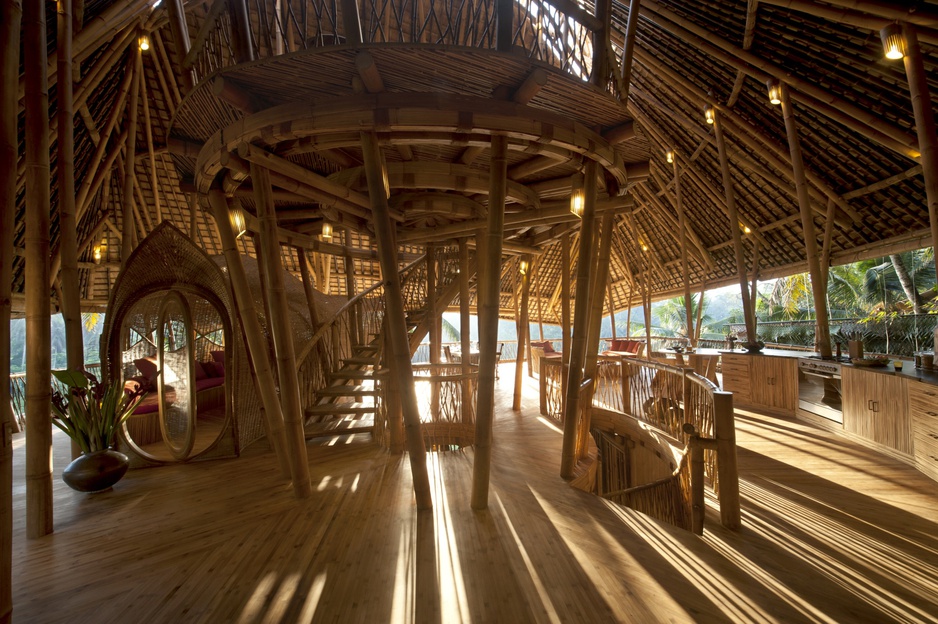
x=673, y=316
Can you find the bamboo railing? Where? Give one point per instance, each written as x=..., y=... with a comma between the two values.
x=539, y=31
x=644, y=417
x=18, y=393
x=440, y=398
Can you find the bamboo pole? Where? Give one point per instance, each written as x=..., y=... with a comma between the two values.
x=565, y=327
x=464, y=342
x=724, y=429
x=600, y=279
x=488, y=291
x=241, y=31
x=748, y=312
x=129, y=240
x=433, y=324
x=610, y=301
x=924, y=125
x=10, y=19
x=685, y=269
x=180, y=32
x=356, y=329
x=631, y=27
x=290, y=403
x=601, y=43
x=823, y=335
x=253, y=334
x=401, y=369
x=581, y=320
x=148, y=127
x=524, y=329
x=38, y=332
x=65, y=184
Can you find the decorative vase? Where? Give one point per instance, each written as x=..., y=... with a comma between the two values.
x=95, y=472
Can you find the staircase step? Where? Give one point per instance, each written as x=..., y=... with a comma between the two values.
x=329, y=409
x=350, y=374
x=347, y=391
x=340, y=426
x=365, y=348
x=360, y=360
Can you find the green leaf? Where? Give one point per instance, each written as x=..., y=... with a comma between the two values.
x=71, y=378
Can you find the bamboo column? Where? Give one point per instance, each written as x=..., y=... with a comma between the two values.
x=685, y=270
x=524, y=329
x=581, y=320
x=596, y=303
x=924, y=125
x=610, y=301
x=38, y=331
x=180, y=32
x=355, y=327
x=433, y=324
x=504, y=25
x=564, y=316
x=628, y=49
x=401, y=371
x=748, y=311
x=488, y=317
x=253, y=334
x=465, y=346
x=128, y=242
x=240, y=31
x=10, y=18
x=818, y=281
x=282, y=333
x=65, y=183
x=308, y=288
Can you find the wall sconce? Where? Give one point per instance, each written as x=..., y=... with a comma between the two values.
x=577, y=197
x=326, y=231
x=775, y=91
x=709, y=115
x=523, y=267
x=893, y=41
x=670, y=157
x=238, y=222
x=97, y=254
x=144, y=42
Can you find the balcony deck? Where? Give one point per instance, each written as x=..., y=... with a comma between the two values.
x=832, y=532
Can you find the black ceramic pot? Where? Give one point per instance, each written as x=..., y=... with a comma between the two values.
x=94, y=472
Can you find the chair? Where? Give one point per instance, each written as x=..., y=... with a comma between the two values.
x=498, y=357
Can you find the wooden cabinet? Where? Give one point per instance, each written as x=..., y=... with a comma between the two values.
x=736, y=377
x=876, y=407
x=923, y=409
x=766, y=382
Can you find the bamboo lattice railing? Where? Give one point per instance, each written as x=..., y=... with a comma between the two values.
x=440, y=397
x=541, y=31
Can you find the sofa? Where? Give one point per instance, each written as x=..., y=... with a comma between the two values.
x=542, y=349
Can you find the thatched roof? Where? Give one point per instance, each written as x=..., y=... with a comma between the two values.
x=853, y=108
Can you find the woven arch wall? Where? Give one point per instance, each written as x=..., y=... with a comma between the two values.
x=167, y=260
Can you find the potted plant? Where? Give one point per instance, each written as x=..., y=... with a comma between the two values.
x=91, y=414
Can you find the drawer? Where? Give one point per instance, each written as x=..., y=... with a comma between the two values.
x=927, y=392
x=926, y=442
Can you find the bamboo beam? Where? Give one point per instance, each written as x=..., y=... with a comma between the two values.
x=924, y=125
x=151, y=152
x=399, y=352
x=357, y=335
x=255, y=341
x=581, y=319
x=129, y=240
x=911, y=12
x=70, y=299
x=208, y=25
x=282, y=333
x=10, y=19
x=524, y=330
x=102, y=68
x=38, y=332
x=862, y=121
x=601, y=43
x=241, y=31
x=685, y=270
x=308, y=289
x=631, y=28
x=180, y=33
x=489, y=298
x=748, y=312
x=823, y=336
x=565, y=327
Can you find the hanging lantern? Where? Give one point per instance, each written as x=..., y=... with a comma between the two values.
x=144, y=42
x=709, y=114
x=643, y=245
x=745, y=228
x=97, y=254
x=670, y=157
x=523, y=267
x=238, y=222
x=893, y=41
x=326, y=231
x=775, y=91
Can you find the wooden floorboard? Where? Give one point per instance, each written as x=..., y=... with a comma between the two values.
x=832, y=532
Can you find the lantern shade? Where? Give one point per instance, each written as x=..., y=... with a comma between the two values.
x=893, y=41
x=670, y=156
x=708, y=113
x=144, y=42
x=775, y=91
x=523, y=267
x=327, y=231
x=97, y=254
x=238, y=223
x=577, y=197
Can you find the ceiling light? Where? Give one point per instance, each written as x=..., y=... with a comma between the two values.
x=326, y=231
x=144, y=43
x=523, y=267
x=670, y=156
x=238, y=223
x=893, y=41
x=775, y=91
x=577, y=197
x=709, y=115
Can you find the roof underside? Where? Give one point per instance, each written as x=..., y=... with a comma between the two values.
x=853, y=110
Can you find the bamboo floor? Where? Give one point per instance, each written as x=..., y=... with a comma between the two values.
x=832, y=533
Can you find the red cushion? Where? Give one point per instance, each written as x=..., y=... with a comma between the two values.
x=632, y=346
x=200, y=372
x=617, y=345
x=218, y=356
x=209, y=382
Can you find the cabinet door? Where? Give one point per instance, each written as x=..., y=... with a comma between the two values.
x=856, y=402
x=775, y=382
x=891, y=423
